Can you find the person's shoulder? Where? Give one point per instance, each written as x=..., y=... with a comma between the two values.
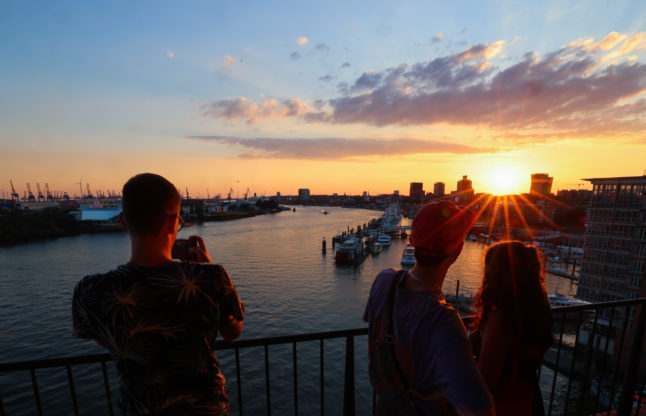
x=98, y=281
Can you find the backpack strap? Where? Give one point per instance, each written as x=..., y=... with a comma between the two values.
x=390, y=336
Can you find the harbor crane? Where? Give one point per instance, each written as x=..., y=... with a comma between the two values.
x=80, y=184
x=89, y=193
x=14, y=195
x=31, y=196
x=50, y=197
x=229, y=194
x=246, y=193
x=187, y=195
x=41, y=197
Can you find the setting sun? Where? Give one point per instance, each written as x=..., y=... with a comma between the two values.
x=504, y=181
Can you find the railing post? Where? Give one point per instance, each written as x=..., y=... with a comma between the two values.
x=627, y=390
x=348, y=388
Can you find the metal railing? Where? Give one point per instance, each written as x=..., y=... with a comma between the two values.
x=573, y=363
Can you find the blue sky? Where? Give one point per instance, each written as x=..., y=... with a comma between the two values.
x=104, y=90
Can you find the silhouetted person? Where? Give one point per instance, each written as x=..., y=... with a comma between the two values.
x=514, y=326
x=158, y=317
x=421, y=362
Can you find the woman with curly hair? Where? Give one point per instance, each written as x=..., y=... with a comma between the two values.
x=513, y=327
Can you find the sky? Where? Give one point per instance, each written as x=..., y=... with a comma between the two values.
x=333, y=96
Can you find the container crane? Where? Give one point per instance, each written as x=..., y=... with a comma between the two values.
x=229, y=194
x=50, y=197
x=14, y=195
x=41, y=197
x=31, y=196
x=187, y=194
x=89, y=193
x=246, y=193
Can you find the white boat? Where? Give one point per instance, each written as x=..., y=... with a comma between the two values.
x=376, y=248
x=384, y=240
x=559, y=299
x=408, y=256
x=473, y=237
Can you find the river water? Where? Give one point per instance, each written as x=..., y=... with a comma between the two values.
x=287, y=285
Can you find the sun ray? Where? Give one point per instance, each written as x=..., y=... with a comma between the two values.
x=540, y=213
x=505, y=208
x=550, y=199
x=522, y=217
x=493, y=216
x=484, y=207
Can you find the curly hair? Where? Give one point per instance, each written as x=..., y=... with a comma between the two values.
x=514, y=284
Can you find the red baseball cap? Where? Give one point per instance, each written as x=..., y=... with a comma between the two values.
x=440, y=227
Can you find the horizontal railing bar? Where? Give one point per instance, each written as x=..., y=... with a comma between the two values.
x=600, y=305
x=285, y=339
x=288, y=339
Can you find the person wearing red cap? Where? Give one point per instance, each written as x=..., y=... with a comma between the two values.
x=421, y=361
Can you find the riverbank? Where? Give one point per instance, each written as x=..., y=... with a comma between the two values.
x=20, y=226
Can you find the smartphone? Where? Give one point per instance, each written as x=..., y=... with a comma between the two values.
x=181, y=249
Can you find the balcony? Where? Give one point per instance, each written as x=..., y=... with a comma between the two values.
x=597, y=365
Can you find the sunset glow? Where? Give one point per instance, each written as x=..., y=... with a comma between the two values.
x=279, y=99
x=505, y=181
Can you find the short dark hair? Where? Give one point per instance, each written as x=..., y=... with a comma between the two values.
x=146, y=199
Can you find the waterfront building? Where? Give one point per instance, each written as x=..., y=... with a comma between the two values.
x=303, y=194
x=416, y=190
x=541, y=184
x=615, y=240
x=464, y=191
x=438, y=189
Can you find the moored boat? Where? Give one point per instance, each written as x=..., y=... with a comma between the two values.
x=408, y=256
x=385, y=240
x=349, y=252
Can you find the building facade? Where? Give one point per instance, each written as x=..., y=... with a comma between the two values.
x=615, y=240
x=439, y=189
x=416, y=190
x=304, y=194
x=541, y=184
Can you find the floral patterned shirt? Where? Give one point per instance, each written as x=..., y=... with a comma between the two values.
x=160, y=326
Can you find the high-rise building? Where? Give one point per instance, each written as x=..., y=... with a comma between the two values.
x=615, y=240
x=541, y=184
x=416, y=190
x=304, y=194
x=438, y=189
x=465, y=185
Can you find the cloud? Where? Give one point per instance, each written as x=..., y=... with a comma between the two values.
x=437, y=38
x=302, y=41
x=337, y=148
x=171, y=55
x=582, y=89
x=321, y=48
x=294, y=56
x=345, y=65
x=327, y=78
x=242, y=108
x=229, y=60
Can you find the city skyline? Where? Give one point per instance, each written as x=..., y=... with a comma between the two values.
x=275, y=97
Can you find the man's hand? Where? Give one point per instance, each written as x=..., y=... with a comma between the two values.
x=231, y=330
x=199, y=253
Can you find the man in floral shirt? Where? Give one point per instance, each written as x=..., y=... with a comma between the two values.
x=159, y=318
